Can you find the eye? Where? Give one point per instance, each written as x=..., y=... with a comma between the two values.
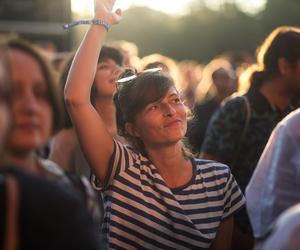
x=102, y=66
x=153, y=107
x=176, y=100
x=40, y=92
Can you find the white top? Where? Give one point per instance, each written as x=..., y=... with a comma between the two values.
x=275, y=184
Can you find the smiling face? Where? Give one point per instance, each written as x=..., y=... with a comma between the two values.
x=162, y=122
x=32, y=112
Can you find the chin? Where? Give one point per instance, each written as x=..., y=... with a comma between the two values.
x=27, y=145
x=175, y=138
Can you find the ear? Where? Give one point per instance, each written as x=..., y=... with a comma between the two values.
x=131, y=130
x=283, y=66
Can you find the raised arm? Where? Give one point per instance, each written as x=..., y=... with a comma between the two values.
x=95, y=140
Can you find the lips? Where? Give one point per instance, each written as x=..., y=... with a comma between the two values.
x=28, y=126
x=173, y=123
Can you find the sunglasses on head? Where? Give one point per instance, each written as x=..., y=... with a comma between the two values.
x=131, y=77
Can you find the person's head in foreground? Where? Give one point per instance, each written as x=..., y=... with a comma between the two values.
x=35, y=104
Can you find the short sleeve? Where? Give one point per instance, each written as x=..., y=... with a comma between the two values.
x=234, y=200
x=121, y=159
x=224, y=129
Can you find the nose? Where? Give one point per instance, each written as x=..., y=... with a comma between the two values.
x=117, y=71
x=168, y=110
x=28, y=101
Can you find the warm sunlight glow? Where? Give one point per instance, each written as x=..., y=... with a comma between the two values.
x=82, y=7
x=250, y=6
x=176, y=7
x=173, y=7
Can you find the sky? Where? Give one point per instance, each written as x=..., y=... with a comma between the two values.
x=173, y=7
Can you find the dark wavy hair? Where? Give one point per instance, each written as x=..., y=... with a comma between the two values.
x=283, y=42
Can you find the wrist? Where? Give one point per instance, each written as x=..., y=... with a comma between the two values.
x=100, y=22
x=94, y=21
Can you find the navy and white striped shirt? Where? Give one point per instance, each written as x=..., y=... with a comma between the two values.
x=142, y=212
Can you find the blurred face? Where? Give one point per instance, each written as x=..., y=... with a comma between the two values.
x=107, y=73
x=162, y=122
x=32, y=112
x=4, y=108
x=224, y=82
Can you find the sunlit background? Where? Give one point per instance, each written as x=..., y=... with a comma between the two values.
x=207, y=27
x=182, y=29
x=173, y=7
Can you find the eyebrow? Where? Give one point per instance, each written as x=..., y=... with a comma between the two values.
x=173, y=94
x=168, y=96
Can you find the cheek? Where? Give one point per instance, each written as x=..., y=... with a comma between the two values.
x=17, y=106
x=183, y=112
x=99, y=77
x=4, y=124
x=144, y=125
x=102, y=74
x=49, y=119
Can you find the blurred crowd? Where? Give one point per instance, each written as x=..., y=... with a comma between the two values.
x=242, y=111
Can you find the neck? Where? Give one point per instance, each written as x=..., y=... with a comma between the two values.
x=220, y=97
x=277, y=93
x=165, y=155
x=26, y=161
x=106, y=108
x=171, y=164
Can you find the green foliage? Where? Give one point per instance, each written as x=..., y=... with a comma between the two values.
x=203, y=33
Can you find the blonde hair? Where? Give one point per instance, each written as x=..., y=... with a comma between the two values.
x=170, y=64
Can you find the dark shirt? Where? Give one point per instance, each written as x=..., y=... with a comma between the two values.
x=225, y=129
x=50, y=217
x=198, y=125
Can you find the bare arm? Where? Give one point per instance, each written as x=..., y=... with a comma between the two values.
x=224, y=235
x=95, y=140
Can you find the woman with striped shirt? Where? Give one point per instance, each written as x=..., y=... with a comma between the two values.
x=156, y=196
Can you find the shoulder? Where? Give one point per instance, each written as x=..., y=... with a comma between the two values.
x=233, y=101
x=291, y=122
x=51, y=168
x=230, y=109
x=37, y=186
x=125, y=149
x=212, y=169
x=53, y=171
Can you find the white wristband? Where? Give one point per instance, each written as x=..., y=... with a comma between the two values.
x=87, y=21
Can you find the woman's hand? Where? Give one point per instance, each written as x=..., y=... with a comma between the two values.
x=104, y=11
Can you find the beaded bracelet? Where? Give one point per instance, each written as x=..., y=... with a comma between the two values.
x=87, y=21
